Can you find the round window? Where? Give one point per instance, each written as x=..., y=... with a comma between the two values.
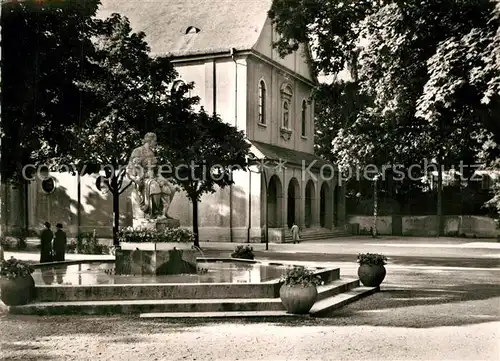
x=98, y=183
x=101, y=184
x=48, y=185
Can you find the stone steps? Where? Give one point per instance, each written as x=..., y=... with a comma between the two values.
x=148, y=306
x=321, y=308
x=328, y=297
x=336, y=287
x=231, y=314
x=318, y=234
x=329, y=304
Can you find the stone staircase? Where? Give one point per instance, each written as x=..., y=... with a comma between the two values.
x=315, y=234
x=189, y=300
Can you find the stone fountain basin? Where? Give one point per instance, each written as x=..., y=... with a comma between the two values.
x=150, y=246
x=225, y=278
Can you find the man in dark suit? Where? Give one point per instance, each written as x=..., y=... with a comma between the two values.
x=59, y=243
x=46, y=244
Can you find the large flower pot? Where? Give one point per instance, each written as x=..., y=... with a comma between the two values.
x=371, y=275
x=298, y=299
x=18, y=291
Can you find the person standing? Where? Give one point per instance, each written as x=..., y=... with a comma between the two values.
x=295, y=233
x=46, y=244
x=59, y=243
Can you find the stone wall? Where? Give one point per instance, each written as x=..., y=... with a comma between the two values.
x=470, y=226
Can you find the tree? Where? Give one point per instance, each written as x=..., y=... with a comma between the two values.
x=44, y=48
x=204, y=153
x=425, y=95
x=132, y=90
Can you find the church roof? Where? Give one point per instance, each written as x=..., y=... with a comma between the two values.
x=216, y=25
x=291, y=156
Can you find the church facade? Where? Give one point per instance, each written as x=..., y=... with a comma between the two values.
x=225, y=48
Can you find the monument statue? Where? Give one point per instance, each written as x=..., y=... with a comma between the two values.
x=153, y=192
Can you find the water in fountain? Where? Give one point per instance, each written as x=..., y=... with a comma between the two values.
x=201, y=270
x=103, y=273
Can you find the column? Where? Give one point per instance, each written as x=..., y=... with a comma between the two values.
x=301, y=201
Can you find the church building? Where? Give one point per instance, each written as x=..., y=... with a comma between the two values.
x=225, y=48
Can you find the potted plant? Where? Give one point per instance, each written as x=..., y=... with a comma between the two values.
x=371, y=271
x=17, y=286
x=298, y=292
x=243, y=252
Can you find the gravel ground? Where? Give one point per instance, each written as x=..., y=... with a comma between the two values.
x=420, y=314
x=120, y=339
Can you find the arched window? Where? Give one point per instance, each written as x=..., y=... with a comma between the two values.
x=262, y=102
x=286, y=99
x=177, y=85
x=304, y=113
x=286, y=115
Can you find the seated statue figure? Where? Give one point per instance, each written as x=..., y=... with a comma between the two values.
x=152, y=192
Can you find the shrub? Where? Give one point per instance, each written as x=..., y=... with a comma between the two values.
x=299, y=275
x=79, y=242
x=91, y=244
x=141, y=235
x=243, y=252
x=71, y=247
x=86, y=243
x=8, y=243
x=372, y=259
x=13, y=268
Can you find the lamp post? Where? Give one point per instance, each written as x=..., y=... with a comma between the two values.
x=375, y=205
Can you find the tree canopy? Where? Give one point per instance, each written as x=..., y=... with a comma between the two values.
x=81, y=91
x=430, y=71
x=204, y=154
x=45, y=46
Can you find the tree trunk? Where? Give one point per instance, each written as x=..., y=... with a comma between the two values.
x=439, y=226
x=116, y=214
x=195, y=223
x=375, y=208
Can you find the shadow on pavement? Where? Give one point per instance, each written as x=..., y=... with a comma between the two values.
x=395, y=260
x=16, y=327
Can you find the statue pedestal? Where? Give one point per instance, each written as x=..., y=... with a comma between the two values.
x=148, y=258
x=157, y=224
x=155, y=259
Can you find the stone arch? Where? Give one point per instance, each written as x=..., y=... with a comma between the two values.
x=293, y=194
x=274, y=202
x=309, y=204
x=286, y=89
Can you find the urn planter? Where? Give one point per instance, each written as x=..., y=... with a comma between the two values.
x=298, y=299
x=17, y=291
x=371, y=275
